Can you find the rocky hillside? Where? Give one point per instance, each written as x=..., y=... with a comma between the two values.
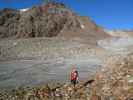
x=40, y=21
x=48, y=20
x=115, y=80
x=8, y=22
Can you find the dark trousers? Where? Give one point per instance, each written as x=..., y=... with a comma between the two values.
x=74, y=82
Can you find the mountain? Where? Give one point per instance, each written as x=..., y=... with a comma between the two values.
x=50, y=20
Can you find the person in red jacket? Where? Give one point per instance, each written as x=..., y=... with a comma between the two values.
x=74, y=76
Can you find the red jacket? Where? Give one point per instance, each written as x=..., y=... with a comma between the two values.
x=74, y=75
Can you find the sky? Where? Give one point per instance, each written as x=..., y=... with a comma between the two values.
x=109, y=14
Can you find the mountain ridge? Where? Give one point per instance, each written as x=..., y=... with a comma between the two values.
x=48, y=20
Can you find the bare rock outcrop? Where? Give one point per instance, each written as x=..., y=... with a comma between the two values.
x=39, y=21
x=8, y=22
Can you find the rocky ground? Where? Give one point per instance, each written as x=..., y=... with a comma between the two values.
x=22, y=62
x=33, y=62
x=42, y=60
x=38, y=68
x=113, y=82
x=59, y=92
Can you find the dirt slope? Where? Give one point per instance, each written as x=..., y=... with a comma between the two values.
x=88, y=33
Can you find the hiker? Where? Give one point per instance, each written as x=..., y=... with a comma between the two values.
x=74, y=76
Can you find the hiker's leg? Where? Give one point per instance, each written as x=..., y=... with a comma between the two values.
x=71, y=81
x=74, y=83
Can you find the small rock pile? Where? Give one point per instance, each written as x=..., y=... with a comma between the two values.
x=115, y=80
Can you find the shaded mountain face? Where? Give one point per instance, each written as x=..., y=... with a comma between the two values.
x=8, y=22
x=49, y=20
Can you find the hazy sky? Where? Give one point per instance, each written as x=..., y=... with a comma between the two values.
x=111, y=14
